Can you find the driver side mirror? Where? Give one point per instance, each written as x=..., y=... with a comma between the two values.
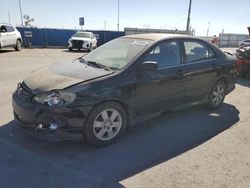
x=149, y=66
x=2, y=31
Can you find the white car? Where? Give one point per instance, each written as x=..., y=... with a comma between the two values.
x=10, y=37
x=244, y=43
x=82, y=40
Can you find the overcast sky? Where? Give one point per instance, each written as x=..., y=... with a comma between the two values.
x=230, y=16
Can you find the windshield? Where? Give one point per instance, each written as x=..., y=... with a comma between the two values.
x=82, y=35
x=117, y=53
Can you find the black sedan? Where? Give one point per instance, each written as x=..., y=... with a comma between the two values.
x=100, y=94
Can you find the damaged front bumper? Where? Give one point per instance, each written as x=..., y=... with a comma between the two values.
x=53, y=123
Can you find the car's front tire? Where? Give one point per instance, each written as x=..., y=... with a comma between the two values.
x=105, y=124
x=217, y=95
x=18, y=46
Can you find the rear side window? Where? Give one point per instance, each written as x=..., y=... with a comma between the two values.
x=10, y=28
x=197, y=51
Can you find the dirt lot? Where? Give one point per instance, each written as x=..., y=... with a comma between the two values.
x=189, y=148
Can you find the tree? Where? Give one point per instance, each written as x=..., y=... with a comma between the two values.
x=28, y=20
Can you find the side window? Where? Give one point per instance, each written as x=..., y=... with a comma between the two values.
x=166, y=54
x=197, y=51
x=3, y=29
x=10, y=28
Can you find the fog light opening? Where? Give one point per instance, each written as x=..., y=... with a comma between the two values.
x=53, y=126
x=50, y=126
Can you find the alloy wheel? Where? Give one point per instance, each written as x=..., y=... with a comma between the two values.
x=218, y=95
x=107, y=124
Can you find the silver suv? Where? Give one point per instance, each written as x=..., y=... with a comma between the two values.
x=10, y=37
x=82, y=40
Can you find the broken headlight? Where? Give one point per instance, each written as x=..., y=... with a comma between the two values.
x=55, y=98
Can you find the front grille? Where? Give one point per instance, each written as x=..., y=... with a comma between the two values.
x=77, y=43
x=24, y=92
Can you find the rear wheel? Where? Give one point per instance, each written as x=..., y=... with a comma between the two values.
x=18, y=46
x=105, y=124
x=217, y=95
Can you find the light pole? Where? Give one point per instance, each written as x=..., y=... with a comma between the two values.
x=118, y=23
x=188, y=18
x=208, y=28
x=21, y=14
x=9, y=18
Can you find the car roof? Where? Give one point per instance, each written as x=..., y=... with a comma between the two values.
x=157, y=36
x=6, y=24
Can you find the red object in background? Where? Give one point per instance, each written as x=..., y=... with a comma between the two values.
x=243, y=65
x=248, y=30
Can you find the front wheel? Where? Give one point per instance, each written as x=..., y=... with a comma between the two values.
x=217, y=95
x=105, y=124
x=18, y=46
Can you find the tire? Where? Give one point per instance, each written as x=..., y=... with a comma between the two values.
x=70, y=49
x=90, y=47
x=217, y=95
x=105, y=124
x=18, y=46
x=248, y=72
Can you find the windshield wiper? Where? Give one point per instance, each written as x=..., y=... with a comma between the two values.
x=81, y=59
x=114, y=68
x=98, y=65
x=92, y=63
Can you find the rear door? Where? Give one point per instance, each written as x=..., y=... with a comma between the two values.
x=202, y=69
x=165, y=87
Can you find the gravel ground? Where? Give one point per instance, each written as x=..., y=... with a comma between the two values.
x=190, y=148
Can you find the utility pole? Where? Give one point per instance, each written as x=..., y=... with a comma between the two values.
x=21, y=14
x=208, y=28
x=188, y=18
x=9, y=18
x=118, y=23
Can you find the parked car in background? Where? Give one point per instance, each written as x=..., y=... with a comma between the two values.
x=98, y=95
x=10, y=37
x=82, y=40
x=244, y=42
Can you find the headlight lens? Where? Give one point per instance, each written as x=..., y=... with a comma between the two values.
x=55, y=98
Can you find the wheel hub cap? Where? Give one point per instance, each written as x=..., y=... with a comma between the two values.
x=107, y=124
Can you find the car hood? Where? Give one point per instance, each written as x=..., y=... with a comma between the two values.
x=80, y=38
x=62, y=75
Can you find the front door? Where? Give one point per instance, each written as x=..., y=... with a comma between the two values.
x=165, y=87
x=4, y=36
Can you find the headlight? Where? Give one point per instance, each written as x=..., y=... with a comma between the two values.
x=55, y=98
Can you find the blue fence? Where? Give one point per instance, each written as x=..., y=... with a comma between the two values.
x=44, y=37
